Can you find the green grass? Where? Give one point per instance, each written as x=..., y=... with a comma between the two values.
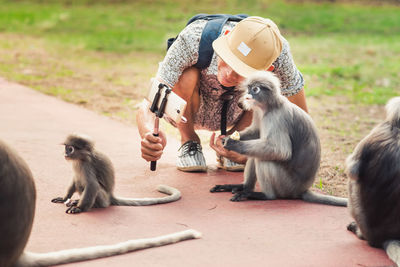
x=342, y=49
x=144, y=25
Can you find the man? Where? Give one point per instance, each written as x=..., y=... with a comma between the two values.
x=244, y=47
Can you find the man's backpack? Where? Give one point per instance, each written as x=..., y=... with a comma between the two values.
x=210, y=32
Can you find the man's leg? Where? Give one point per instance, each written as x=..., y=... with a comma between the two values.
x=188, y=88
x=190, y=157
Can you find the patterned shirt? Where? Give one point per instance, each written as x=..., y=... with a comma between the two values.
x=184, y=53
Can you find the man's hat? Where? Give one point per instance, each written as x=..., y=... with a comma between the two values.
x=252, y=45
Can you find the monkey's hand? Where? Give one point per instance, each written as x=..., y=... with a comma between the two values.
x=232, y=144
x=73, y=210
x=58, y=200
x=72, y=203
x=240, y=196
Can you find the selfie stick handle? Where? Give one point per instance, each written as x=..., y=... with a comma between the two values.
x=153, y=164
x=159, y=114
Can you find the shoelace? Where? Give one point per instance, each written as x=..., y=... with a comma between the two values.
x=190, y=148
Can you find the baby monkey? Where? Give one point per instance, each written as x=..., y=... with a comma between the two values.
x=94, y=180
x=282, y=146
x=374, y=184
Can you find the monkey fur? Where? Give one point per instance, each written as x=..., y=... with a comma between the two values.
x=94, y=180
x=282, y=146
x=17, y=205
x=374, y=184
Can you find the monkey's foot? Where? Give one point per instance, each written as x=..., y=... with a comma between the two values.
x=352, y=227
x=72, y=203
x=227, y=188
x=73, y=210
x=58, y=200
x=242, y=195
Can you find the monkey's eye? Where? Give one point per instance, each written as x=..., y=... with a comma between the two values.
x=255, y=90
x=69, y=149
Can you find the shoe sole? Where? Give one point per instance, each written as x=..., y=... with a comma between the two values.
x=231, y=169
x=193, y=169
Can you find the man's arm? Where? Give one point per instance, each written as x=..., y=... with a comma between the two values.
x=299, y=99
x=151, y=146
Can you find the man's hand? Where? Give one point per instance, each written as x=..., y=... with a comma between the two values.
x=217, y=145
x=152, y=146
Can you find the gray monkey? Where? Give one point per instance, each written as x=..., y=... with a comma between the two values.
x=282, y=146
x=17, y=204
x=374, y=184
x=94, y=180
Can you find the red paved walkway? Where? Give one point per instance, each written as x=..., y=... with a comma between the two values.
x=275, y=233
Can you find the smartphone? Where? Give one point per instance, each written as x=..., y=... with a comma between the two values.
x=175, y=106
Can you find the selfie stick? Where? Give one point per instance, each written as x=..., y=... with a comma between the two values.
x=159, y=112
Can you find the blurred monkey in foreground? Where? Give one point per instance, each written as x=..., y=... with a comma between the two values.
x=374, y=184
x=17, y=206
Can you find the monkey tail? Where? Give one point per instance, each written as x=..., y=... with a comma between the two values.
x=310, y=196
x=173, y=195
x=29, y=259
x=392, y=248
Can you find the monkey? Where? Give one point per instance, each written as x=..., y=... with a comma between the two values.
x=17, y=205
x=94, y=180
x=373, y=171
x=282, y=146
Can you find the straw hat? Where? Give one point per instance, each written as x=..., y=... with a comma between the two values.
x=252, y=45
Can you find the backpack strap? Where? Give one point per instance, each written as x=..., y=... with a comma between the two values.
x=211, y=31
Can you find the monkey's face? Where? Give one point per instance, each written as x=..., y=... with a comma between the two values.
x=260, y=90
x=74, y=153
x=69, y=152
x=258, y=95
x=78, y=147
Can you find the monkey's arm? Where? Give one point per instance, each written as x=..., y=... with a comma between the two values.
x=353, y=161
x=90, y=191
x=249, y=134
x=87, y=199
x=71, y=190
x=264, y=149
x=352, y=166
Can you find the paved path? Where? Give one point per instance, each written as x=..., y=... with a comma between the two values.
x=253, y=233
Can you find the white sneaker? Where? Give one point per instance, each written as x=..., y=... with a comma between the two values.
x=229, y=165
x=191, y=158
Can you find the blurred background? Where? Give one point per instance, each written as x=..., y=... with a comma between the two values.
x=101, y=54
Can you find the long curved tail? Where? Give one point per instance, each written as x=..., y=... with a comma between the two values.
x=324, y=199
x=173, y=195
x=29, y=259
x=392, y=248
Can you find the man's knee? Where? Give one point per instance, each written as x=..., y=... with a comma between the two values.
x=188, y=83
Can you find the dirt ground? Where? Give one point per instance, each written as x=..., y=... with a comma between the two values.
x=341, y=126
x=116, y=89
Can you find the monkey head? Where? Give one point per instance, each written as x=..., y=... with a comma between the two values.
x=78, y=147
x=261, y=89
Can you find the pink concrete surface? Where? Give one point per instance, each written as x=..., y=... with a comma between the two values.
x=251, y=233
